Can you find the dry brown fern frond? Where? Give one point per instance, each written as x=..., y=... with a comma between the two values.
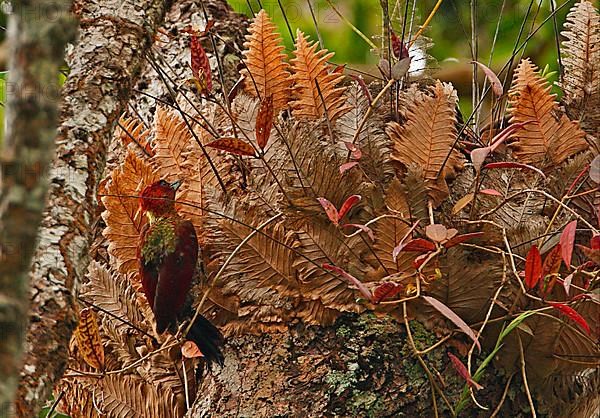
x=390, y=231
x=427, y=137
x=127, y=396
x=131, y=130
x=372, y=141
x=121, y=215
x=322, y=243
x=314, y=89
x=551, y=137
x=581, y=61
x=114, y=294
x=266, y=71
x=309, y=169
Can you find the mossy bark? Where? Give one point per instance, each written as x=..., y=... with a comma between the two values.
x=362, y=366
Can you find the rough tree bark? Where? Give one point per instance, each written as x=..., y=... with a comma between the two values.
x=113, y=38
x=37, y=34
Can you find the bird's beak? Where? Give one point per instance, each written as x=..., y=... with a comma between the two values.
x=175, y=185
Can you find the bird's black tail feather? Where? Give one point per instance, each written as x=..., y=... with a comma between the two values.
x=208, y=339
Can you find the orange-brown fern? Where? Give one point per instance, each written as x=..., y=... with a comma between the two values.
x=315, y=92
x=551, y=138
x=266, y=71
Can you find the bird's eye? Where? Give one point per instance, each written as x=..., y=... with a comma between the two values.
x=163, y=183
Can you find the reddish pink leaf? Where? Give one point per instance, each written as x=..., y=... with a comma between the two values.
x=567, y=283
x=419, y=245
x=514, y=165
x=386, y=290
x=398, y=247
x=567, y=240
x=551, y=266
x=533, y=267
x=330, y=210
x=595, y=242
x=456, y=320
x=552, y=261
x=463, y=372
x=351, y=279
x=264, y=122
x=363, y=228
x=492, y=77
x=398, y=47
x=478, y=156
x=418, y=262
x=491, y=192
x=189, y=349
x=347, y=166
x=348, y=204
x=459, y=239
x=592, y=254
x=232, y=146
x=355, y=152
x=572, y=314
x=200, y=65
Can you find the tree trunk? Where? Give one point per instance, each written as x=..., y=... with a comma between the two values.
x=37, y=34
x=113, y=39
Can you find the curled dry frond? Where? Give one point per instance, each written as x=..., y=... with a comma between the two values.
x=121, y=215
x=581, y=60
x=427, y=137
x=266, y=71
x=550, y=137
x=315, y=92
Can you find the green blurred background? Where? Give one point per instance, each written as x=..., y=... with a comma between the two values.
x=450, y=32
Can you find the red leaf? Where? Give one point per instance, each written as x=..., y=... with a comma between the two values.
x=459, y=239
x=567, y=240
x=494, y=80
x=400, y=245
x=353, y=280
x=200, y=65
x=355, y=152
x=591, y=253
x=491, y=192
x=515, y=165
x=418, y=262
x=348, y=204
x=347, y=166
x=232, y=146
x=552, y=261
x=264, y=122
x=330, y=210
x=533, y=267
x=419, y=245
x=595, y=242
x=463, y=372
x=398, y=47
x=572, y=314
x=456, y=320
x=363, y=228
x=551, y=267
x=386, y=290
x=478, y=156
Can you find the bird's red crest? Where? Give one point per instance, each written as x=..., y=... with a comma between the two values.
x=159, y=197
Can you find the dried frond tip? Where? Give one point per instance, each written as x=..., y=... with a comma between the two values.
x=551, y=137
x=266, y=71
x=314, y=90
x=427, y=137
